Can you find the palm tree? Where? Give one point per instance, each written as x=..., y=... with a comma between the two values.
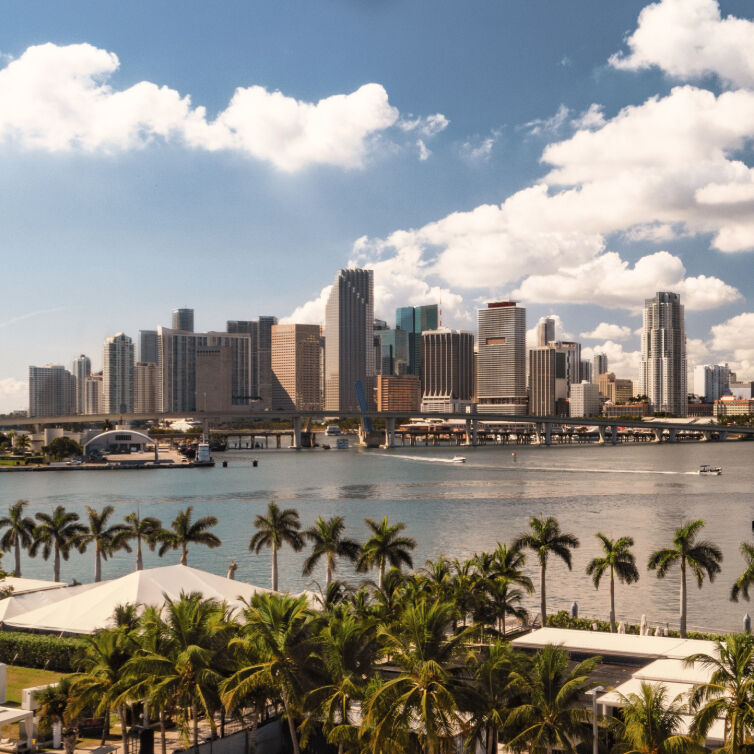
x=491, y=693
x=277, y=636
x=328, y=540
x=544, y=539
x=55, y=704
x=508, y=561
x=277, y=528
x=505, y=599
x=57, y=533
x=701, y=557
x=385, y=546
x=618, y=560
x=182, y=670
x=548, y=716
x=19, y=532
x=23, y=442
x=346, y=648
x=743, y=582
x=422, y=702
x=729, y=693
x=185, y=533
x=106, y=539
x=142, y=530
x=650, y=724
x=101, y=678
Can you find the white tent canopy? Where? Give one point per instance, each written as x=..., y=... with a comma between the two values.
x=18, y=604
x=92, y=609
x=24, y=586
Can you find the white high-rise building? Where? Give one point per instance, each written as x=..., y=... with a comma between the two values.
x=599, y=366
x=82, y=368
x=501, y=359
x=712, y=381
x=52, y=391
x=349, y=340
x=545, y=331
x=663, y=354
x=584, y=400
x=118, y=375
x=93, y=394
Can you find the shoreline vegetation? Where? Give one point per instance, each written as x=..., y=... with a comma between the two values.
x=406, y=662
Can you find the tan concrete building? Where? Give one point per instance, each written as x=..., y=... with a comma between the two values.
x=93, y=394
x=146, y=392
x=214, y=378
x=398, y=393
x=296, y=367
x=615, y=390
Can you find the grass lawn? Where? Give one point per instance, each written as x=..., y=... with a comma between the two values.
x=22, y=678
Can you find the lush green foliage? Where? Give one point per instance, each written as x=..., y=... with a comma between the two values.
x=39, y=651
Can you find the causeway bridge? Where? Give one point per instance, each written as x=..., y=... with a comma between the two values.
x=541, y=426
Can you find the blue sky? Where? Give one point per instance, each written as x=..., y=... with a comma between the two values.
x=231, y=157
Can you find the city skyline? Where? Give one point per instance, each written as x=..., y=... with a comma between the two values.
x=497, y=175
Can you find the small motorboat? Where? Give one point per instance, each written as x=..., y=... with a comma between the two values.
x=458, y=459
x=706, y=470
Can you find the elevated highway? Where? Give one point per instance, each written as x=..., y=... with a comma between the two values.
x=542, y=425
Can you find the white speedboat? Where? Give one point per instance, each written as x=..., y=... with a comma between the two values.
x=706, y=470
x=458, y=459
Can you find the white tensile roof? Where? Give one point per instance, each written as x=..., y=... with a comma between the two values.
x=17, y=604
x=23, y=586
x=92, y=609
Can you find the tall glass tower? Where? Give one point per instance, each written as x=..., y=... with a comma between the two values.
x=349, y=340
x=415, y=320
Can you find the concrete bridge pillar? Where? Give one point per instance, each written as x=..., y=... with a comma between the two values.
x=601, y=432
x=389, y=433
x=658, y=435
x=548, y=434
x=468, y=432
x=706, y=436
x=296, y=433
x=672, y=433
x=614, y=434
x=475, y=432
x=722, y=436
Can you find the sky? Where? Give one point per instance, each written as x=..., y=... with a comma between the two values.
x=232, y=157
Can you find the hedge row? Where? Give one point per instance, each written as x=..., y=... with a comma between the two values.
x=563, y=619
x=39, y=651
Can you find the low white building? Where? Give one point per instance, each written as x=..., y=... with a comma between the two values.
x=584, y=400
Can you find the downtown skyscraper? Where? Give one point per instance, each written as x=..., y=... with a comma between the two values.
x=118, y=375
x=663, y=354
x=501, y=359
x=349, y=340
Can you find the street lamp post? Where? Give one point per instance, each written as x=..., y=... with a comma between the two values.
x=595, y=728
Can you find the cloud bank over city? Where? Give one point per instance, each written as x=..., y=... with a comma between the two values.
x=341, y=143
x=57, y=98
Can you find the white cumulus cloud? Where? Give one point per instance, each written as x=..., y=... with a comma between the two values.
x=58, y=98
x=624, y=364
x=607, y=331
x=689, y=39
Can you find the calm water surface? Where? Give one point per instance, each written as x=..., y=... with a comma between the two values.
x=453, y=509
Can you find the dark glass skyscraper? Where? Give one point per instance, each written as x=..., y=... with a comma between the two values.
x=415, y=320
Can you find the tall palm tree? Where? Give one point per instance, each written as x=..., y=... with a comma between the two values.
x=277, y=635
x=505, y=599
x=184, y=532
x=617, y=559
x=277, y=528
x=508, y=561
x=491, y=694
x=744, y=581
x=106, y=539
x=100, y=679
x=422, y=701
x=650, y=722
x=545, y=539
x=548, y=717
x=57, y=533
x=384, y=547
x=183, y=670
x=346, y=648
x=19, y=532
x=702, y=557
x=145, y=529
x=328, y=542
x=729, y=693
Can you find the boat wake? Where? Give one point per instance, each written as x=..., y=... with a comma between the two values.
x=432, y=459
